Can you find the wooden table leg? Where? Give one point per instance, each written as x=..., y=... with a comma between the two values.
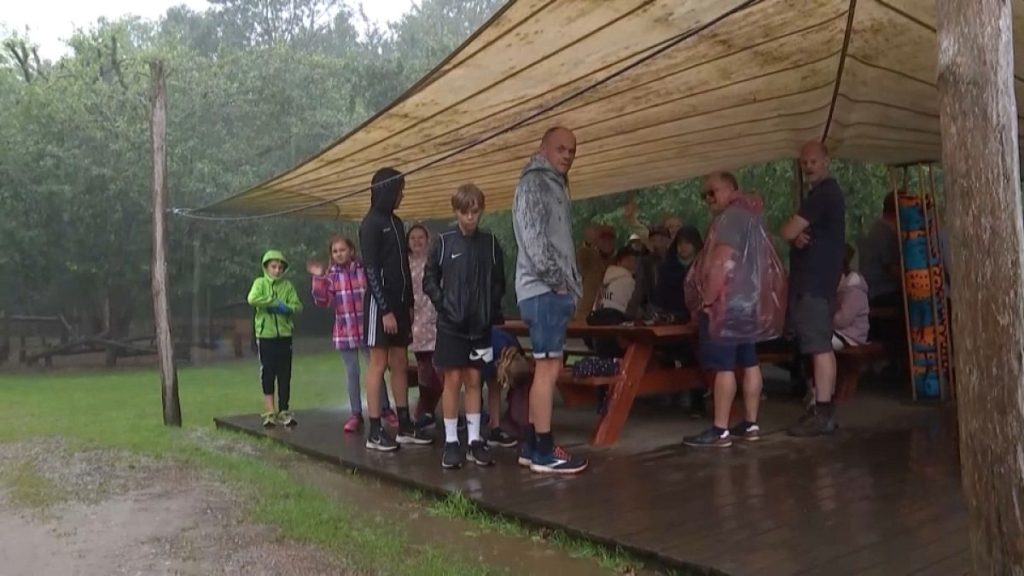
x=622, y=394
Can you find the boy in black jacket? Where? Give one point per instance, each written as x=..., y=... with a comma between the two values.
x=465, y=279
x=387, y=309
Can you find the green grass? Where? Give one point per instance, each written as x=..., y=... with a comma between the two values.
x=457, y=506
x=121, y=410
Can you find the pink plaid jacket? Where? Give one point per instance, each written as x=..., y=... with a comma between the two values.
x=342, y=288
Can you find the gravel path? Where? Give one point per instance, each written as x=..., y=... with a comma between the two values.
x=103, y=512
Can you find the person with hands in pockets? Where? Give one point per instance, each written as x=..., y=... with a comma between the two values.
x=465, y=280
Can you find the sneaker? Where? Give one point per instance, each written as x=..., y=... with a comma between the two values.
x=452, y=456
x=381, y=442
x=525, y=453
x=814, y=424
x=269, y=419
x=558, y=462
x=426, y=422
x=414, y=436
x=709, y=439
x=285, y=418
x=747, y=431
x=499, y=437
x=353, y=424
x=479, y=453
x=389, y=417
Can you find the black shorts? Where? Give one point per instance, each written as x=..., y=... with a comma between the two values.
x=373, y=326
x=453, y=351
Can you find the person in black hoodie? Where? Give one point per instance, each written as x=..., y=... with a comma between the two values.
x=387, y=307
x=673, y=270
x=671, y=297
x=465, y=280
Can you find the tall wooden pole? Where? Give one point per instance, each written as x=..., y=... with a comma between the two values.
x=161, y=311
x=196, y=289
x=980, y=157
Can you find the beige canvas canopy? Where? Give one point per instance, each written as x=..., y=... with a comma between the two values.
x=656, y=91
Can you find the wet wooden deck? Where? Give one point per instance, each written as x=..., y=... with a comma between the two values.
x=874, y=500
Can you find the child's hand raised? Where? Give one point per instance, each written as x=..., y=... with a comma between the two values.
x=315, y=268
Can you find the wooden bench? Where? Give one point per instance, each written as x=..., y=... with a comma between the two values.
x=850, y=362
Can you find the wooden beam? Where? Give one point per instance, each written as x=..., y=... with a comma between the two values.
x=980, y=156
x=161, y=310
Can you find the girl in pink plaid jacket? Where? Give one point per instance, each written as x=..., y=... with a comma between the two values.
x=342, y=287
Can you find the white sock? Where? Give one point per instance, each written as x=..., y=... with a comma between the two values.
x=473, y=426
x=451, y=430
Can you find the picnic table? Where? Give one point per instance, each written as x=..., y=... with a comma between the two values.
x=640, y=373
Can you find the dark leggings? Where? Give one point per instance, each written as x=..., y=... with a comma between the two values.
x=275, y=356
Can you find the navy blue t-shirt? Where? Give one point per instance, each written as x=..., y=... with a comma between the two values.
x=816, y=269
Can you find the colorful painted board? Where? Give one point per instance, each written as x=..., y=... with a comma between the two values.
x=924, y=283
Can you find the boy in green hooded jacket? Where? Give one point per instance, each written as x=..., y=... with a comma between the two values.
x=275, y=301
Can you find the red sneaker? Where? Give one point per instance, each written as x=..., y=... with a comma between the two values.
x=353, y=424
x=390, y=417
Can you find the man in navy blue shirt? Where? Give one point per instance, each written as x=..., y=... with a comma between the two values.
x=817, y=234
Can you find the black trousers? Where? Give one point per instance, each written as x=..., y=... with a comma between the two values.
x=275, y=356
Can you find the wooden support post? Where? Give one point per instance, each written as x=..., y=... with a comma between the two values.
x=196, y=289
x=980, y=157
x=161, y=311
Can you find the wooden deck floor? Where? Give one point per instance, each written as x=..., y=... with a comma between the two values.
x=873, y=500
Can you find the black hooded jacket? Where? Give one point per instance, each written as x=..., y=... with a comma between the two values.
x=465, y=280
x=384, y=249
x=670, y=293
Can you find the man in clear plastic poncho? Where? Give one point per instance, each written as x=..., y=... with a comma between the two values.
x=737, y=291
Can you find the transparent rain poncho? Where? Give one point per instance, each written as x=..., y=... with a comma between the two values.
x=751, y=306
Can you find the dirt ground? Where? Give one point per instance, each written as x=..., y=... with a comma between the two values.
x=101, y=513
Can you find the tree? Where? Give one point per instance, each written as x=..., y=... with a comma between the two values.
x=980, y=153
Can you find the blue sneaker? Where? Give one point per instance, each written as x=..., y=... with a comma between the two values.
x=558, y=462
x=525, y=453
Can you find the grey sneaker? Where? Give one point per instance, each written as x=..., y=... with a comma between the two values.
x=381, y=441
x=479, y=453
x=748, y=431
x=817, y=424
x=413, y=435
x=709, y=439
x=451, y=457
x=499, y=437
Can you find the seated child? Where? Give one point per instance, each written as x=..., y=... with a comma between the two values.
x=619, y=283
x=505, y=372
x=850, y=321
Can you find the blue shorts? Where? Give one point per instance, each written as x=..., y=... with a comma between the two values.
x=719, y=356
x=547, y=316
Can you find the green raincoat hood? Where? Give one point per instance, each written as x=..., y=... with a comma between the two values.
x=273, y=255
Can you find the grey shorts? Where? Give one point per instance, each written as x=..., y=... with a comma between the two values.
x=812, y=322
